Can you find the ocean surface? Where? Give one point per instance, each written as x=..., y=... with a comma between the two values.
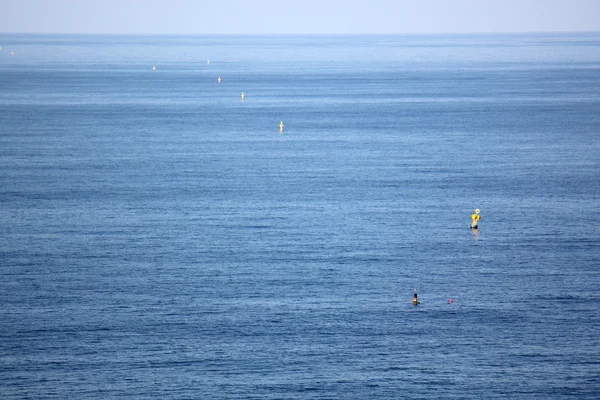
x=161, y=239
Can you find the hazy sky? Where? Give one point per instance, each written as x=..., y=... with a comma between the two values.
x=297, y=16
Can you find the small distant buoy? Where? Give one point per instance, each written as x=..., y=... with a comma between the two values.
x=475, y=219
x=243, y=96
x=154, y=68
x=208, y=61
x=219, y=79
x=281, y=126
x=12, y=53
x=450, y=301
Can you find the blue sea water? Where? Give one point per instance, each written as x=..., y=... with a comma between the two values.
x=160, y=238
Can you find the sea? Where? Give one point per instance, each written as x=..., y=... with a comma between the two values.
x=160, y=238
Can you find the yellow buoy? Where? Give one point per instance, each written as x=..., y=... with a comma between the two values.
x=281, y=126
x=243, y=96
x=475, y=219
x=219, y=79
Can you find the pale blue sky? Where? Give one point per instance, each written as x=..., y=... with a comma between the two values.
x=297, y=17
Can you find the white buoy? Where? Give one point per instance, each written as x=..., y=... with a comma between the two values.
x=219, y=79
x=154, y=68
x=243, y=96
x=208, y=61
x=281, y=126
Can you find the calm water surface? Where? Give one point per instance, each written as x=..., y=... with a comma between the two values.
x=159, y=238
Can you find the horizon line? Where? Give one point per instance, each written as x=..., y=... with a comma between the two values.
x=304, y=34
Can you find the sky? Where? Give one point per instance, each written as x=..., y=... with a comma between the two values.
x=298, y=16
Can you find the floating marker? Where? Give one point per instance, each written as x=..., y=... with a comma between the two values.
x=243, y=96
x=475, y=219
x=154, y=68
x=219, y=79
x=208, y=61
x=281, y=126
